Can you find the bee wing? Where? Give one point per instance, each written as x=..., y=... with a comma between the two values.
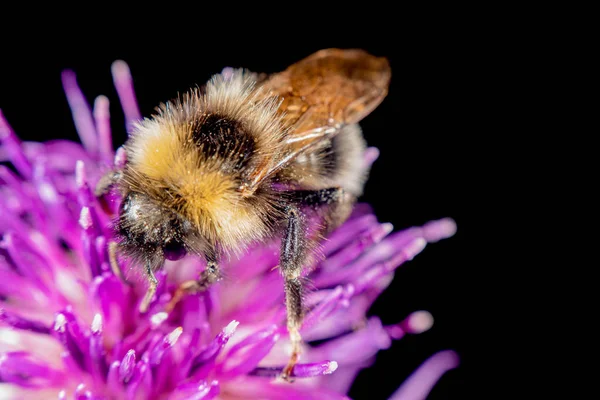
x=321, y=94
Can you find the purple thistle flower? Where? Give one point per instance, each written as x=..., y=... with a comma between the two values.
x=70, y=329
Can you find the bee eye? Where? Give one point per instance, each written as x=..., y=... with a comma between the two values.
x=174, y=250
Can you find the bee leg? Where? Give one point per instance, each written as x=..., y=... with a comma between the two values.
x=153, y=283
x=108, y=180
x=293, y=249
x=209, y=276
x=335, y=205
x=114, y=263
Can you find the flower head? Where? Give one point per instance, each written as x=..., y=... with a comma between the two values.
x=71, y=329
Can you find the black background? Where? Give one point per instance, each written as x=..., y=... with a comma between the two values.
x=427, y=130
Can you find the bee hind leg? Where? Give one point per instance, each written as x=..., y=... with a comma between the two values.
x=293, y=249
x=210, y=275
x=334, y=205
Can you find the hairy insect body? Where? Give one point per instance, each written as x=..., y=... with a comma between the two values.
x=243, y=160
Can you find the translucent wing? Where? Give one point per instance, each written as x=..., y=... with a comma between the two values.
x=322, y=93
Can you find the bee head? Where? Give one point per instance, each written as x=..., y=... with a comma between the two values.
x=150, y=232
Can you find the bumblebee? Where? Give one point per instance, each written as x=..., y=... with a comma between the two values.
x=244, y=159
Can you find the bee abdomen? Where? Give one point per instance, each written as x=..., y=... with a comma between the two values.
x=335, y=163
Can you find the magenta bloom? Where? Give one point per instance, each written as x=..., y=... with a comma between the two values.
x=70, y=329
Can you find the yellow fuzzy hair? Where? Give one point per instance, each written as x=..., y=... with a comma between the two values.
x=166, y=164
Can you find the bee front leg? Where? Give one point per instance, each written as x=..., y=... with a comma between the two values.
x=106, y=182
x=103, y=187
x=210, y=275
x=114, y=263
x=151, y=291
x=293, y=248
